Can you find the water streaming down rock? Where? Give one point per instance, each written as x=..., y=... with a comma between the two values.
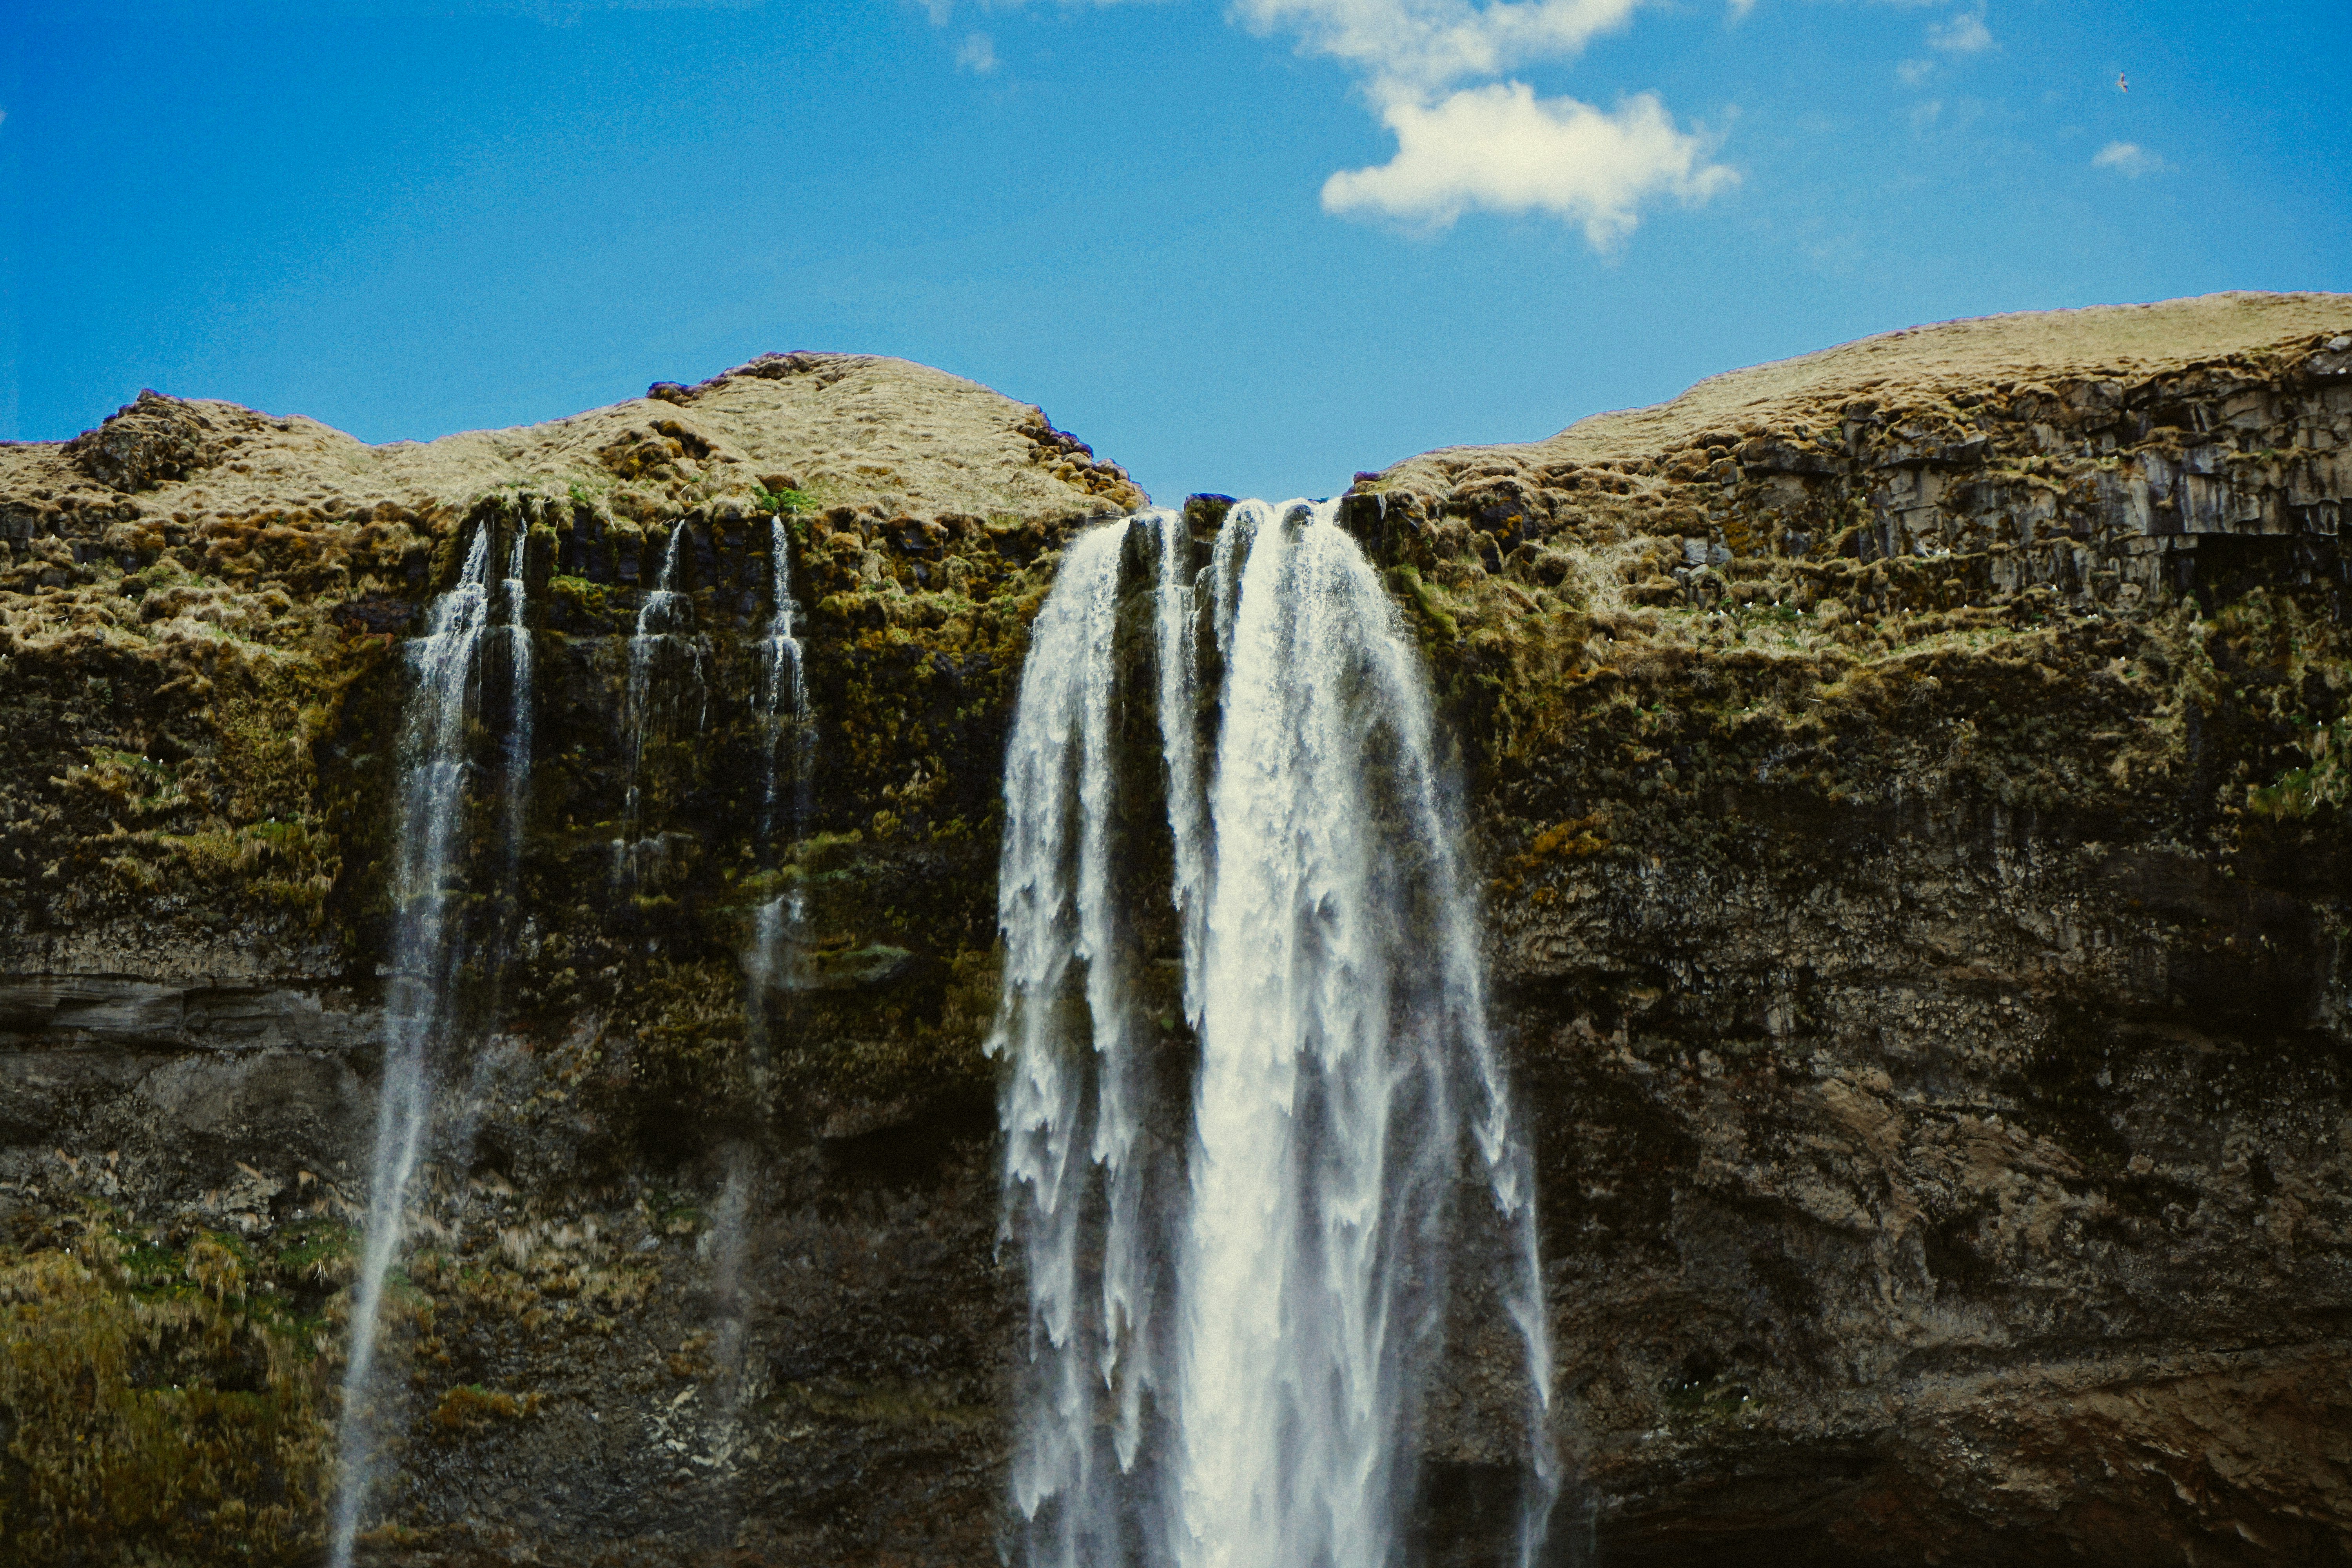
x=516, y=788
x=1085, y=1479
x=662, y=617
x=425, y=956
x=1345, y=1059
x=787, y=739
x=1255, y=1406
x=790, y=738
x=1175, y=627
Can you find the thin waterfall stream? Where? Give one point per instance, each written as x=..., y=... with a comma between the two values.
x=787, y=739
x=661, y=619
x=1230, y=1333
x=517, y=792
x=434, y=762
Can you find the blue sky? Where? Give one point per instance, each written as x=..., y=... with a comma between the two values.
x=407, y=218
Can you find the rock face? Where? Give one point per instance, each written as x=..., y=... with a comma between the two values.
x=203, y=693
x=1912, y=781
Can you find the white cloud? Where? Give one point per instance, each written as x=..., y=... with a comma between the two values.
x=1463, y=146
x=1914, y=72
x=1965, y=34
x=1495, y=147
x=1500, y=148
x=2129, y=159
x=976, y=54
x=1419, y=47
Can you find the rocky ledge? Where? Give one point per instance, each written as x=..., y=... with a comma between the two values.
x=1911, y=782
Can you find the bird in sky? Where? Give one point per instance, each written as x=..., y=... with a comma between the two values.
x=2123, y=83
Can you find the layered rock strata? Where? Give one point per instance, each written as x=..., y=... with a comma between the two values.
x=1913, y=778
x=1910, y=783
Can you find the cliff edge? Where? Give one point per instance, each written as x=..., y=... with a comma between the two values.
x=1910, y=785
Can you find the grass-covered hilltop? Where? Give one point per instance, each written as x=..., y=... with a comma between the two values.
x=1909, y=786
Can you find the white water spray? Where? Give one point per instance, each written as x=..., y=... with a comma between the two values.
x=1175, y=627
x=1258, y=1407
x=431, y=803
x=1071, y=1116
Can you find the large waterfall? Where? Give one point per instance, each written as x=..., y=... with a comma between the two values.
x=1079, y=1163
x=1229, y=1333
x=445, y=693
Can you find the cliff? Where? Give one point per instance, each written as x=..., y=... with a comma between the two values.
x=1911, y=780
x=199, y=624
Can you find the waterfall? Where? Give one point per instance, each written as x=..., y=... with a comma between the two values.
x=425, y=959
x=789, y=736
x=1069, y=1115
x=1344, y=1058
x=783, y=689
x=517, y=786
x=661, y=617
x=1250, y=1400
x=1175, y=627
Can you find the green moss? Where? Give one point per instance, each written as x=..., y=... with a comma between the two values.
x=1405, y=582
x=859, y=966
x=784, y=500
x=320, y=1250
x=686, y=1030
x=2323, y=784
x=586, y=597
x=1712, y=1400
x=165, y=1408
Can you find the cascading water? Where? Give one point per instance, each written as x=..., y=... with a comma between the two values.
x=790, y=738
x=518, y=757
x=662, y=616
x=515, y=787
x=1228, y=1342
x=787, y=739
x=1175, y=627
x=1344, y=1056
x=1071, y=1116
x=426, y=950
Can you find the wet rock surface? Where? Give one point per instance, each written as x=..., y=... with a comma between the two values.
x=1911, y=786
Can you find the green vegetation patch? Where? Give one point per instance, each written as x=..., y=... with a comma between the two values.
x=166, y=1408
